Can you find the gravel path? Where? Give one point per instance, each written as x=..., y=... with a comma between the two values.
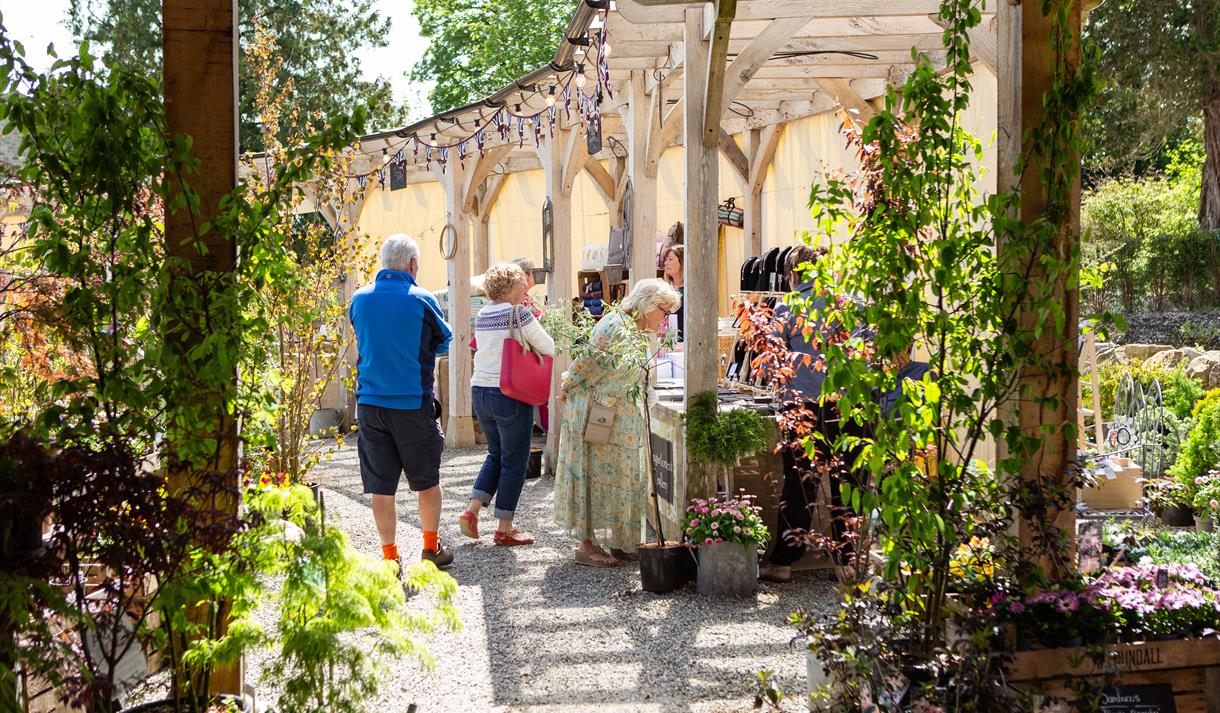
x=540, y=633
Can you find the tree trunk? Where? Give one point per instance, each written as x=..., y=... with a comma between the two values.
x=1209, y=200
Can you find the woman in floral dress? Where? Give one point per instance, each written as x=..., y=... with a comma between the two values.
x=601, y=490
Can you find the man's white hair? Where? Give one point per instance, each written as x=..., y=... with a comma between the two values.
x=397, y=251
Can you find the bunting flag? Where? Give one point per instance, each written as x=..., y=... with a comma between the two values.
x=567, y=101
x=551, y=114
x=478, y=140
x=462, y=153
x=361, y=180
x=537, y=132
x=520, y=131
x=444, y=157
x=381, y=176
x=428, y=156
x=399, y=158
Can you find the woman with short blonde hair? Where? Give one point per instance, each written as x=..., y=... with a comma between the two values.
x=507, y=423
x=601, y=489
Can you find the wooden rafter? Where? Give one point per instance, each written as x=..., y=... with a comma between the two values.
x=482, y=168
x=735, y=156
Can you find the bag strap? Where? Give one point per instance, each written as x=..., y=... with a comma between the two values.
x=515, y=331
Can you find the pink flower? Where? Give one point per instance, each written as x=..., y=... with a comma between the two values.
x=703, y=510
x=694, y=523
x=719, y=541
x=1214, y=503
x=1017, y=607
x=715, y=526
x=716, y=511
x=708, y=541
x=740, y=516
x=737, y=529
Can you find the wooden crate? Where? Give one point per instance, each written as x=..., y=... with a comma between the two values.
x=1191, y=666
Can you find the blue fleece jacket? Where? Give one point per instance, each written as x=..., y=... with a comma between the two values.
x=400, y=330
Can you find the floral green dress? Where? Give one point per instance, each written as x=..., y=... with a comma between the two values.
x=601, y=491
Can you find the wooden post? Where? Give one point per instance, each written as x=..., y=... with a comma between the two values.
x=459, y=424
x=560, y=290
x=640, y=122
x=480, y=237
x=1058, y=452
x=200, y=51
x=760, y=149
x=702, y=179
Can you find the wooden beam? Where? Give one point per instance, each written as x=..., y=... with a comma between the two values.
x=1047, y=407
x=701, y=264
x=847, y=97
x=857, y=26
x=602, y=181
x=760, y=49
x=718, y=51
x=761, y=145
x=481, y=168
x=560, y=283
x=574, y=156
x=641, y=124
x=806, y=39
x=200, y=89
x=459, y=428
x=643, y=12
x=734, y=155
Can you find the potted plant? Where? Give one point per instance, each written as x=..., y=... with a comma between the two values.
x=1207, y=500
x=1168, y=498
x=729, y=533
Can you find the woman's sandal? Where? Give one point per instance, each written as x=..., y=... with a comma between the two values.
x=512, y=539
x=469, y=525
x=587, y=558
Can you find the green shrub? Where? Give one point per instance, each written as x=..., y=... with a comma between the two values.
x=720, y=437
x=1201, y=452
x=1179, y=392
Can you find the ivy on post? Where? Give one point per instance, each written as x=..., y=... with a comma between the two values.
x=1048, y=261
x=201, y=356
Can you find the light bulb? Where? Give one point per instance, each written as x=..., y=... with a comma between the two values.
x=550, y=97
x=580, y=80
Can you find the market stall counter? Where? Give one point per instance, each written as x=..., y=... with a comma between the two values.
x=759, y=475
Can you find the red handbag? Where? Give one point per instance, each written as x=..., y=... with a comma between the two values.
x=525, y=375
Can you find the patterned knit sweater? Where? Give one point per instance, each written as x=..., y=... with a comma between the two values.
x=491, y=328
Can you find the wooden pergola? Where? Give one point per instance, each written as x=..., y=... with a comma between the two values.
x=717, y=78
x=696, y=74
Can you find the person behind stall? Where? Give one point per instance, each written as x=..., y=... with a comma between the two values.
x=800, y=476
x=400, y=330
x=506, y=422
x=673, y=270
x=527, y=266
x=601, y=489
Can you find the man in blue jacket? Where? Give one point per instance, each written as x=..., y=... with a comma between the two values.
x=400, y=330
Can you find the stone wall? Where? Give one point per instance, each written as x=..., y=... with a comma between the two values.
x=1166, y=328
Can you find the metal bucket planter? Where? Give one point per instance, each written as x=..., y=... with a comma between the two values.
x=728, y=568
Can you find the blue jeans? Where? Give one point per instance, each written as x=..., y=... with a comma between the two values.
x=508, y=424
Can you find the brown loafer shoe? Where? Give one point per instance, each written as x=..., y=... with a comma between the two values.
x=442, y=558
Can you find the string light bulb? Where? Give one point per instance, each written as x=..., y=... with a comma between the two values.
x=580, y=75
x=550, y=97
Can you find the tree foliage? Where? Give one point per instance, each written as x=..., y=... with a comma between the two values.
x=479, y=46
x=318, y=41
x=1161, y=64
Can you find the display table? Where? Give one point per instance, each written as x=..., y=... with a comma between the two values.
x=760, y=475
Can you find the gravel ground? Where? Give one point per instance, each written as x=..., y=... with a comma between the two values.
x=540, y=633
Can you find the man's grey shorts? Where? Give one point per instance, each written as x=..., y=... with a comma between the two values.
x=391, y=441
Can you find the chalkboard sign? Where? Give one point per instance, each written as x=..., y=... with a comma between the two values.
x=593, y=137
x=663, y=467
x=398, y=175
x=1146, y=698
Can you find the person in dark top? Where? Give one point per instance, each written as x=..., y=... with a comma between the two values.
x=674, y=268
x=400, y=330
x=799, y=495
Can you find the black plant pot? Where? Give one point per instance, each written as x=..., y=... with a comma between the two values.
x=535, y=465
x=166, y=705
x=1178, y=516
x=665, y=568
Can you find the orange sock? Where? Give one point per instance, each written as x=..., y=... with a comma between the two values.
x=390, y=551
x=432, y=541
